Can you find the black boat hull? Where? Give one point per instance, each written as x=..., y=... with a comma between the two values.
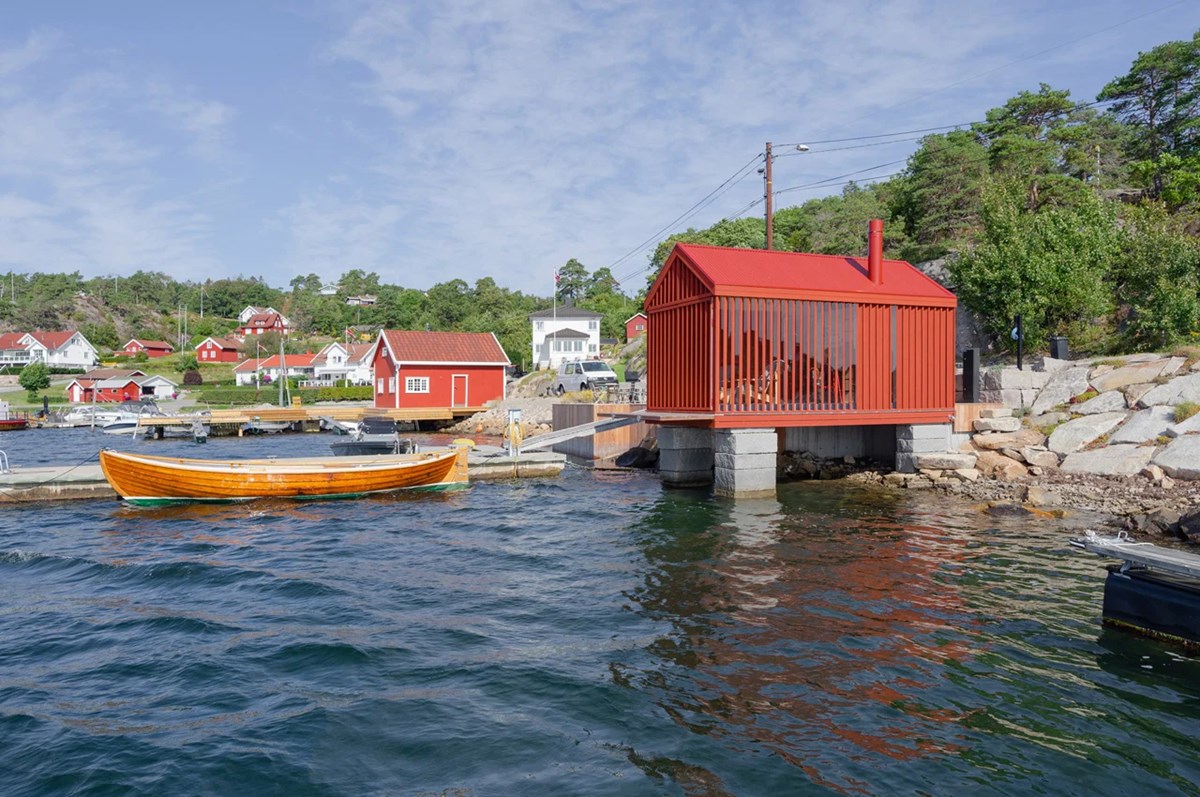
x=1160, y=605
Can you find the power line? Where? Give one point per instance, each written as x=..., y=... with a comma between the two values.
x=839, y=177
x=736, y=176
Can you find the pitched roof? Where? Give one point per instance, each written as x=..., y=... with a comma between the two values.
x=726, y=270
x=12, y=340
x=112, y=373
x=263, y=320
x=224, y=343
x=567, y=334
x=635, y=315
x=150, y=344
x=53, y=340
x=412, y=346
x=566, y=311
x=272, y=362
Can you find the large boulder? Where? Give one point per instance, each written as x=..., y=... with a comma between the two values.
x=1112, y=401
x=997, y=440
x=1144, y=426
x=996, y=465
x=1039, y=457
x=1181, y=458
x=1074, y=435
x=1134, y=374
x=1126, y=460
x=1188, y=426
x=1177, y=391
x=944, y=461
x=1008, y=424
x=1060, y=388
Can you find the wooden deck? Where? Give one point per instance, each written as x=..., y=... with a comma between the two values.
x=301, y=414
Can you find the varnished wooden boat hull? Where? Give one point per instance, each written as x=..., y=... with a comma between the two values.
x=150, y=479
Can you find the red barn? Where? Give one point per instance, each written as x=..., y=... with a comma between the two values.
x=437, y=369
x=219, y=350
x=635, y=326
x=153, y=348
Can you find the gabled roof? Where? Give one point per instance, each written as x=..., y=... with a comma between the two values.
x=729, y=271
x=463, y=348
x=566, y=311
x=272, y=362
x=225, y=343
x=12, y=340
x=53, y=340
x=149, y=344
x=567, y=334
x=112, y=373
x=635, y=315
x=263, y=320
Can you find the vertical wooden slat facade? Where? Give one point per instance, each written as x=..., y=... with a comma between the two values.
x=796, y=357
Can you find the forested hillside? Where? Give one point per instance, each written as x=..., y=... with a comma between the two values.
x=1081, y=214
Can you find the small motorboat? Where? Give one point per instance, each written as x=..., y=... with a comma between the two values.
x=10, y=421
x=150, y=480
x=374, y=435
x=259, y=426
x=1154, y=591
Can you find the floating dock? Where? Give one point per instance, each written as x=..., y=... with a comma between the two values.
x=1154, y=591
x=61, y=483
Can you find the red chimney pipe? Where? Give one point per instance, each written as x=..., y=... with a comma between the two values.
x=875, y=251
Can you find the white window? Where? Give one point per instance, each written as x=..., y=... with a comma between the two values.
x=557, y=345
x=579, y=345
x=593, y=325
x=391, y=384
x=379, y=386
x=539, y=325
x=416, y=384
x=591, y=348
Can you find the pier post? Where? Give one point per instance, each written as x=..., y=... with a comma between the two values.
x=913, y=439
x=744, y=462
x=685, y=456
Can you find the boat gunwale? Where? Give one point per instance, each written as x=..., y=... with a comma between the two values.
x=296, y=466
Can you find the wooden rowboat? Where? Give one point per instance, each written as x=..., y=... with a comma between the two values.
x=148, y=480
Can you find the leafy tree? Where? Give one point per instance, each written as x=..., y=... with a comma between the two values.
x=837, y=225
x=192, y=378
x=939, y=196
x=186, y=363
x=101, y=335
x=572, y=281
x=34, y=377
x=1160, y=99
x=739, y=233
x=1156, y=280
x=1049, y=267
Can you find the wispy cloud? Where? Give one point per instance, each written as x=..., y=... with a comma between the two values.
x=84, y=176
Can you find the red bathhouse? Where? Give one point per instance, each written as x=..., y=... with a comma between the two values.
x=635, y=326
x=437, y=369
x=153, y=348
x=219, y=350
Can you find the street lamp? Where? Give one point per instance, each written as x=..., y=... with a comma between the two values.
x=769, y=191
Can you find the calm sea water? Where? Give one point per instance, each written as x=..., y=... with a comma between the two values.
x=593, y=634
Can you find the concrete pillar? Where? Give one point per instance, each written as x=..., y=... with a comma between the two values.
x=744, y=462
x=927, y=438
x=685, y=456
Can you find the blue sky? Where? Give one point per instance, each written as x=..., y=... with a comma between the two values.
x=432, y=140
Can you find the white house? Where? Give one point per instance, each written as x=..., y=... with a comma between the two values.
x=297, y=365
x=350, y=361
x=564, y=334
x=67, y=349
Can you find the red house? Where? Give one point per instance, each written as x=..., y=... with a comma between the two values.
x=263, y=322
x=153, y=348
x=219, y=350
x=437, y=369
x=635, y=326
x=748, y=338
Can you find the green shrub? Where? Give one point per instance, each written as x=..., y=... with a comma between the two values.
x=1185, y=410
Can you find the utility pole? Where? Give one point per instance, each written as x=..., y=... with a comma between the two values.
x=282, y=372
x=769, y=198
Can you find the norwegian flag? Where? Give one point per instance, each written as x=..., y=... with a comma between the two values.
x=557, y=279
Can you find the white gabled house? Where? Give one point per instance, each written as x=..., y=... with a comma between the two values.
x=564, y=334
x=349, y=361
x=67, y=349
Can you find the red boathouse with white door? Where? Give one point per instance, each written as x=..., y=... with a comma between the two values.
x=437, y=369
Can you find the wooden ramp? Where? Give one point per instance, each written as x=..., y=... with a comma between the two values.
x=582, y=430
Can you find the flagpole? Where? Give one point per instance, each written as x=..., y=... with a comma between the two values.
x=554, y=322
